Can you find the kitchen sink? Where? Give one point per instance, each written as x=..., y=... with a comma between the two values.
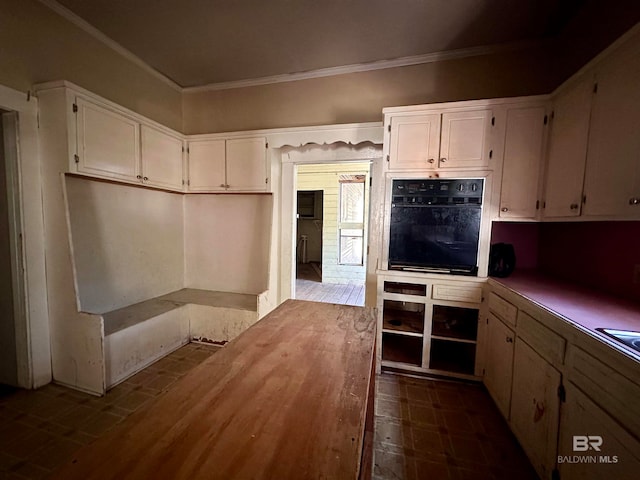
x=629, y=338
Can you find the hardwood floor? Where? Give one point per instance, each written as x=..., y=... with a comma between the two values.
x=309, y=286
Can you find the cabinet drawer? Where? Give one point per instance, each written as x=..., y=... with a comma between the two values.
x=612, y=391
x=503, y=309
x=546, y=342
x=457, y=293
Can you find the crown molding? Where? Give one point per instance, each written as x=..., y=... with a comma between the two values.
x=98, y=35
x=368, y=67
x=290, y=77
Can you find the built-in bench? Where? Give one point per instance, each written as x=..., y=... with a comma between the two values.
x=137, y=335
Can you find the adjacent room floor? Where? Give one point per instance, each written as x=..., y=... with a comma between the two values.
x=425, y=429
x=309, y=286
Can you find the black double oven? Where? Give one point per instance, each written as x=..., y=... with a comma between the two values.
x=435, y=225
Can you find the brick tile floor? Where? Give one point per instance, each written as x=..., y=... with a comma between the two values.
x=41, y=429
x=439, y=430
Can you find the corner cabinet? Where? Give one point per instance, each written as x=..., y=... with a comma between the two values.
x=438, y=140
x=428, y=326
x=228, y=165
x=114, y=145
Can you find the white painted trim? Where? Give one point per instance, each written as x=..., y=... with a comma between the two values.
x=32, y=334
x=367, y=67
x=288, y=186
x=98, y=35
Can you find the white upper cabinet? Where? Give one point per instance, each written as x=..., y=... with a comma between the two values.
x=113, y=145
x=568, y=151
x=246, y=164
x=206, y=166
x=108, y=143
x=161, y=156
x=465, y=139
x=415, y=142
x=439, y=140
x=523, y=153
x=594, y=157
x=233, y=165
x=612, y=180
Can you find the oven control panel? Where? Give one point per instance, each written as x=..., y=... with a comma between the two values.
x=437, y=191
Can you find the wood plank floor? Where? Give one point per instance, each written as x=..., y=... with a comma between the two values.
x=330, y=292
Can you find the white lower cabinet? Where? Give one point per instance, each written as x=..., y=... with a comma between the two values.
x=570, y=407
x=535, y=407
x=498, y=363
x=592, y=445
x=424, y=327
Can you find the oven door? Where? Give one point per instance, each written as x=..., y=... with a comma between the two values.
x=441, y=238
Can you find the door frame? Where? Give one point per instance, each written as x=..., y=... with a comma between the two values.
x=28, y=250
x=337, y=152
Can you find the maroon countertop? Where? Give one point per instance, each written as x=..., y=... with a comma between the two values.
x=582, y=306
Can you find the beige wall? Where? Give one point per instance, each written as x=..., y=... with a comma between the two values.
x=127, y=243
x=38, y=45
x=227, y=241
x=360, y=97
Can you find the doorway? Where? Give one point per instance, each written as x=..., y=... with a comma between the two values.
x=11, y=306
x=332, y=232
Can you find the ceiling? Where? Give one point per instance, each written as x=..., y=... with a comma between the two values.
x=202, y=42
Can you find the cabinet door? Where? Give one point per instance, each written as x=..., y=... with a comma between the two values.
x=108, y=142
x=618, y=456
x=414, y=142
x=246, y=164
x=465, y=139
x=161, y=156
x=612, y=180
x=206, y=166
x=535, y=407
x=568, y=151
x=499, y=363
x=523, y=152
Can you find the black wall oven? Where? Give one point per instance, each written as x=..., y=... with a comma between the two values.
x=435, y=225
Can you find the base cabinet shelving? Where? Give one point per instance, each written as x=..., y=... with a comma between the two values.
x=421, y=330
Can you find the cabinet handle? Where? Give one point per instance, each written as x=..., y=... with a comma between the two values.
x=573, y=206
x=222, y=185
x=634, y=201
x=139, y=177
x=504, y=209
x=227, y=186
x=145, y=178
x=443, y=160
x=509, y=340
x=431, y=160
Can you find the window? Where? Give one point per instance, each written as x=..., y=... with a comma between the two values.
x=351, y=221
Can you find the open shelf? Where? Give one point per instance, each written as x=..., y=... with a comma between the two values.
x=456, y=323
x=457, y=357
x=403, y=317
x=402, y=349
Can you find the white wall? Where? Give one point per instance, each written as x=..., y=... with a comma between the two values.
x=227, y=242
x=127, y=243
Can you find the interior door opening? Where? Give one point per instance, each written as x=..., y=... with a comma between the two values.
x=332, y=220
x=11, y=307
